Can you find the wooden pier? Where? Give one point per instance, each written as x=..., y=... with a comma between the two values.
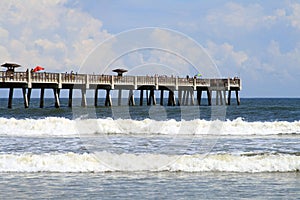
x=184, y=88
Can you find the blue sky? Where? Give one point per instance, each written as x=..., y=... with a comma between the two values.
x=256, y=40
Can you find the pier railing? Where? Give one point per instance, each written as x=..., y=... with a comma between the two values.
x=56, y=81
x=72, y=78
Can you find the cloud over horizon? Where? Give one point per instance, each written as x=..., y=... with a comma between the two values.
x=47, y=33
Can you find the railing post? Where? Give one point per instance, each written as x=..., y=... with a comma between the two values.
x=228, y=84
x=87, y=84
x=135, y=82
x=29, y=85
x=112, y=82
x=156, y=82
x=59, y=81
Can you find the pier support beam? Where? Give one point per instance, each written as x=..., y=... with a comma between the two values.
x=83, y=98
x=179, y=97
x=229, y=97
x=108, y=98
x=29, y=95
x=42, y=97
x=183, y=100
x=162, y=97
x=192, y=102
x=171, y=99
x=199, y=95
x=219, y=98
x=152, y=98
x=224, y=96
x=70, y=97
x=187, y=97
x=120, y=97
x=56, y=97
x=148, y=98
x=208, y=97
x=238, y=101
x=96, y=98
x=141, y=97
x=25, y=98
x=131, y=98
x=10, y=97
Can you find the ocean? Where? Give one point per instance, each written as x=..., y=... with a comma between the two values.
x=251, y=151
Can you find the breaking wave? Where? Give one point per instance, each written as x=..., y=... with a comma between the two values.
x=72, y=162
x=54, y=126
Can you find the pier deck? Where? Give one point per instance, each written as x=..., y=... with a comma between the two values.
x=185, y=87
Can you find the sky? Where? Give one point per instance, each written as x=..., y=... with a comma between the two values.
x=258, y=41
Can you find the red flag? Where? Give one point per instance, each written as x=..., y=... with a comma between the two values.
x=38, y=68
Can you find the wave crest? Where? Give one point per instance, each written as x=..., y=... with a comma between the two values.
x=72, y=162
x=54, y=126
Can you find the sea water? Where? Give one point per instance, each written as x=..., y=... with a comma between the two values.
x=252, y=152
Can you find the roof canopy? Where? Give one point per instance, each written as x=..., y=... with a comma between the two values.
x=10, y=65
x=120, y=71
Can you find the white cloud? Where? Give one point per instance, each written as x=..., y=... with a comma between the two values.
x=274, y=66
x=287, y=62
x=226, y=57
x=237, y=15
x=47, y=33
x=294, y=17
x=250, y=17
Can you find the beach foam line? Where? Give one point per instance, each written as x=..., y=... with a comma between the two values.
x=109, y=162
x=54, y=126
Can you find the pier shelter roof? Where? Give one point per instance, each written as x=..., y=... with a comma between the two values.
x=11, y=66
x=120, y=71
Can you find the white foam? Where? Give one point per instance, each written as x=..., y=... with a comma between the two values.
x=105, y=162
x=53, y=126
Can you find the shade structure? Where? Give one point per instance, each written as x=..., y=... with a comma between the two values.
x=120, y=71
x=38, y=68
x=10, y=66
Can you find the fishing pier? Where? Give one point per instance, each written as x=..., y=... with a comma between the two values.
x=180, y=91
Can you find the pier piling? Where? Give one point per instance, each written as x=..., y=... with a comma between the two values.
x=120, y=97
x=96, y=98
x=25, y=98
x=131, y=98
x=162, y=97
x=108, y=101
x=70, y=97
x=42, y=97
x=83, y=97
x=208, y=97
x=29, y=95
x=56, y=97
x=229, y=97
x=10, y=97
x=238, y=101
x=141, y=97
x=199, y=95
